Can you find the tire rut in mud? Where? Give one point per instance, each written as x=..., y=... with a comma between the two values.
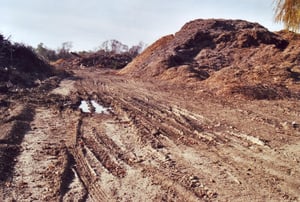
x=14, y=127
x=153, y=149
x=94, y=147
x=222, y=156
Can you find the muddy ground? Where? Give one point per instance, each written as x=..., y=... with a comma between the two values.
x=159, y=142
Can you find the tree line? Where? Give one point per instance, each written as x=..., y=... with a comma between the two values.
x=112, y=46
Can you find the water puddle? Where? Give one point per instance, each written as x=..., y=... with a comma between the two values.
x=92, y=106
x=99, y=109
x=84, y=106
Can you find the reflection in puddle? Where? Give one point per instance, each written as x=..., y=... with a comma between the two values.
x=86, y=106
x=99, y=109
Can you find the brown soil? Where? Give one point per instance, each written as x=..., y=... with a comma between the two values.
x=172, y=134
x=227, y=57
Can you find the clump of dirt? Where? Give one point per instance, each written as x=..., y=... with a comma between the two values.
x=227, y=57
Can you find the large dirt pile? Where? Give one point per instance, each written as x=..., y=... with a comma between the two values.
x=20, y=67
x=227, y=57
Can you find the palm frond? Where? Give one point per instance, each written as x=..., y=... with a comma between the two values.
x=288, y=12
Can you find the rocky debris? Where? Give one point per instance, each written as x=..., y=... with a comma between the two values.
x=227, y=57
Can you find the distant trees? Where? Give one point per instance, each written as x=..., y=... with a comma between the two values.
x=64, y=51
x=116, y=47
x=137, y=49
x=288, y=12
x=45, y=52
x=112, y=47
x=52, y=55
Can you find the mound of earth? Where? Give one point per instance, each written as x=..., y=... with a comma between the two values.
x=99, y=59
x=226, y=57
x=103, y=59
x=20, y=67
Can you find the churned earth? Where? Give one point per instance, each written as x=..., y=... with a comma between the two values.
x=186, y=129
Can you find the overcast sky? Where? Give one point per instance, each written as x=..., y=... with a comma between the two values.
x=88, y=23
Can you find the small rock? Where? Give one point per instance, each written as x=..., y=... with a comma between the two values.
x=194, y=178
x=295, y=125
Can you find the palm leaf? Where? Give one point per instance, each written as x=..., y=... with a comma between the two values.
x=288, y=12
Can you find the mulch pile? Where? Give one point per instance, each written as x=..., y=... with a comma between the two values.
x=228, y=57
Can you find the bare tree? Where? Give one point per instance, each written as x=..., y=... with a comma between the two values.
x=64, y=51
x=114, y=46
x=136, y=49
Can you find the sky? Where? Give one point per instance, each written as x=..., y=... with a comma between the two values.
x=88, y=23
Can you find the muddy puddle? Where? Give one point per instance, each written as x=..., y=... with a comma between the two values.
x=92, y=106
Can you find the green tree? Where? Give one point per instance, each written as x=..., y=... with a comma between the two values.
x=288, y=12
x=45, y=52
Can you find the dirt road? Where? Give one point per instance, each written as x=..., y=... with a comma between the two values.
x=159, y=142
